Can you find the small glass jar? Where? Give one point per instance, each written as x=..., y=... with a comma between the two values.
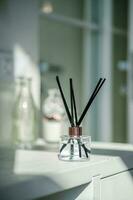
x=53, y=115
x=75, y=148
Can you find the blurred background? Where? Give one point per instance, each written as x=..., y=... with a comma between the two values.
x=82, y=39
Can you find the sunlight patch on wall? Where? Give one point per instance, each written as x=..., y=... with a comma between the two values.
x=24, y=66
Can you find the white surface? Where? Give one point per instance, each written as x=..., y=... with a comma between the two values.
x=118, y=187
x=37, y=173
x=66, y=174
x=112, y=146
x=45, y=162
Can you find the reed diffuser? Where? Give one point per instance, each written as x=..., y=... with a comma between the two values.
x=75, y=146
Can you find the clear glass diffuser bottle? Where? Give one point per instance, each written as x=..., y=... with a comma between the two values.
x=24, y=115
x=75, y=147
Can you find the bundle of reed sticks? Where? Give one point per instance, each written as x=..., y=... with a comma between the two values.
x=72, y=116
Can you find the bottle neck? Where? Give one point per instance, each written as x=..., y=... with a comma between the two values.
x=75, y=131
x=25, y=90
x=25, y=87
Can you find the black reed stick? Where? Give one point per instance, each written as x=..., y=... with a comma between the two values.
x=97, y=88
x=99, y=82
x=93, y=97
x=85, y=150
x=64, y=145
x=74, y=101
x=71, y=100
x=64, y=101
x=99, y=85
x=72, y=148
x=79, y=146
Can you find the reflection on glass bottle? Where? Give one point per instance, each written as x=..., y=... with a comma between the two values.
x=24, y=115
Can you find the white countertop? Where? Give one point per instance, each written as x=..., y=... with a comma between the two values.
x=34, y=174
x=112, y=146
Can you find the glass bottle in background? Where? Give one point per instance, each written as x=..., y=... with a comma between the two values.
x=24, y=115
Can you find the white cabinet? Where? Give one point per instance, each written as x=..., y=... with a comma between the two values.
x=119, y=186
x=40, y=175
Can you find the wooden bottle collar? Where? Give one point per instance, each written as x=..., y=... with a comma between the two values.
x=75, y=131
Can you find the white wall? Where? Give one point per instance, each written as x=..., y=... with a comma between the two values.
x=19, y=34
x=61, y=44
x=19, y=30
x=130, y=75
